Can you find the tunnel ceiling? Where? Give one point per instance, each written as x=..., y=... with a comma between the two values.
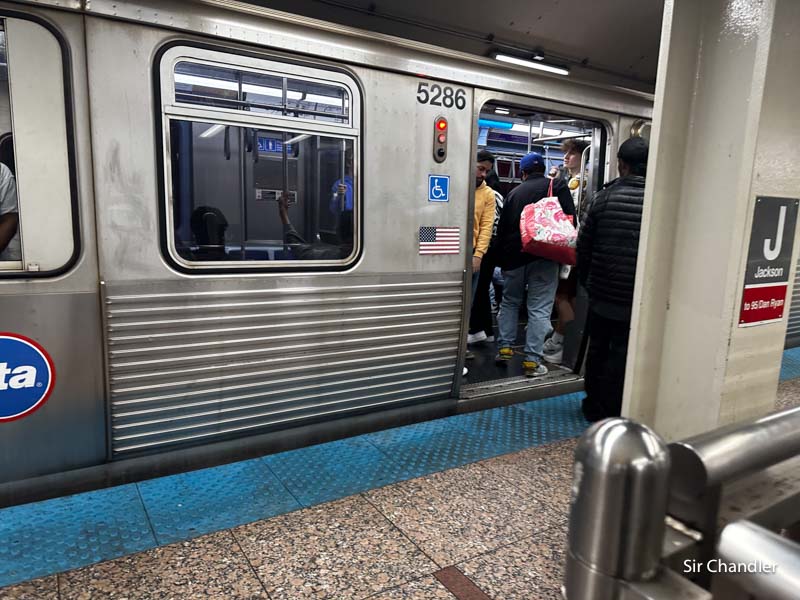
x=609, y=41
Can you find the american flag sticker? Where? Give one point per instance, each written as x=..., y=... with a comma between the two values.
x=439, y=240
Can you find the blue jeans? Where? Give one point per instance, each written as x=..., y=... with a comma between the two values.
x=541, y=277
x=497, y=281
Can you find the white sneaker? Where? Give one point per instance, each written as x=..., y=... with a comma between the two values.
x=473, y=338
x=551, y=346
x=554, y=358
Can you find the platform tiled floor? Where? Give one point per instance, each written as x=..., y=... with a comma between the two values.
x=344, y=549
x=489, y=521
x=387, y=544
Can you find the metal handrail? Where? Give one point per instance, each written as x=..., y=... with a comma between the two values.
x=623, y=475
x=735, y=451
x=760, y=562
x=581, y=183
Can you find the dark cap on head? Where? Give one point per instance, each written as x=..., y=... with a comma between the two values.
x=634, y=152
x=533, y=161
x=485, y=155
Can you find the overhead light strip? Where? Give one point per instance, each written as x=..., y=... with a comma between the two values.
x=298, y=138
x=566, y=136
x=539, y=66
x=212, y=131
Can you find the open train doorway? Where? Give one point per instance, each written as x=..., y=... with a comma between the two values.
x=573, y=150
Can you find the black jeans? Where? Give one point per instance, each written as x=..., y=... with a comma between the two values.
x=480, y=317
x=605, y=367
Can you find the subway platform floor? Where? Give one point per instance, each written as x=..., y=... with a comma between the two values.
x=470, y=507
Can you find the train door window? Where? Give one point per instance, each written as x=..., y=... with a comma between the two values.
x=262, y=163
x=37, y=233
x=10, y=247
x=572, y=148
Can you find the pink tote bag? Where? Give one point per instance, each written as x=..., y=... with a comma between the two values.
x=548, y=232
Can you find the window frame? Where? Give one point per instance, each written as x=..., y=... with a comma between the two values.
x=72, y=163
x=167, y=109
x=349, y=114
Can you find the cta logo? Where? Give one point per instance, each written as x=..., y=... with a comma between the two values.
x=27, y=376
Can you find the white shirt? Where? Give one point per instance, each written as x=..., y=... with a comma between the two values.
x=8, y=204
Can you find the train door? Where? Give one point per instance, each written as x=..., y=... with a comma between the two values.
x=52, y=415
x=572, y=143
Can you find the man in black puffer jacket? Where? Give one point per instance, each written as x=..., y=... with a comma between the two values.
x=607, y=247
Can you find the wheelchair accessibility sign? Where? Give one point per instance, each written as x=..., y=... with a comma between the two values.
x=438, y=188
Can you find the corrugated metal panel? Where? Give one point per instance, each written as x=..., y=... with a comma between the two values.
x=195, y=366
x=793, y=328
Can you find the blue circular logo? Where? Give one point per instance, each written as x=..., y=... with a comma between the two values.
x=27, y=376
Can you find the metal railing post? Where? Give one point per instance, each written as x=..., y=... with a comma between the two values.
x=619, y=501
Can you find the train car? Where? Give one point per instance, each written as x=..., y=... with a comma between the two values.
x=242, y=231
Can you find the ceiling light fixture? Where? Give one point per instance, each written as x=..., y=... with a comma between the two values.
x=212, y=131
x=539, y=66
x=565, y=136
x=298, y=138
x=545, y=131
x=502, y=111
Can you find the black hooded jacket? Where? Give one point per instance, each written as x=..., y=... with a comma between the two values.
x=508, y=244
x=608, y=244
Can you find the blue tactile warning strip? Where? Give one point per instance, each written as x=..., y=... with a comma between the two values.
x=437, y=451
x=191, y=504
x=334, y=470
x=47, y=537
x=66, y=533
x=790, y=366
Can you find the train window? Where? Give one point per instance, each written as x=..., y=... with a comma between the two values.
x=258, y=194
x=10, y=247
x=316, y=101
x=261, y=163
x=223, y=87
x=38, y=234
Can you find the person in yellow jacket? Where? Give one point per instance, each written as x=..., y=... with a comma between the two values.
x=484, y=218
x=484, y=212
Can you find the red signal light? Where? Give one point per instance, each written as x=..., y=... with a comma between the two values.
x=439, y=139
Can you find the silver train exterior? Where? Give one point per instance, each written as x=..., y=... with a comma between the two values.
x=162, y=368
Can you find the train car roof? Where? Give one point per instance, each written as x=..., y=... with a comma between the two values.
x=257, y=25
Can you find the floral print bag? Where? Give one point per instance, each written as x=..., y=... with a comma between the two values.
x=547, y=231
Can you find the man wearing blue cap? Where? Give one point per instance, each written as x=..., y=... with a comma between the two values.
x=540, y=275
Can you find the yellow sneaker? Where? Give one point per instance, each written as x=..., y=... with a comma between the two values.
x=533, y=369
x=503, y=355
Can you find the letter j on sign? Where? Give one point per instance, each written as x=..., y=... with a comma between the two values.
x=769, y=258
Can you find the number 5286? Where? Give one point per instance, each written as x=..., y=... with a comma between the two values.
x=437, y=95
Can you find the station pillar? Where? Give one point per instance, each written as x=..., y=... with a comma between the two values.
x=726, y=131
